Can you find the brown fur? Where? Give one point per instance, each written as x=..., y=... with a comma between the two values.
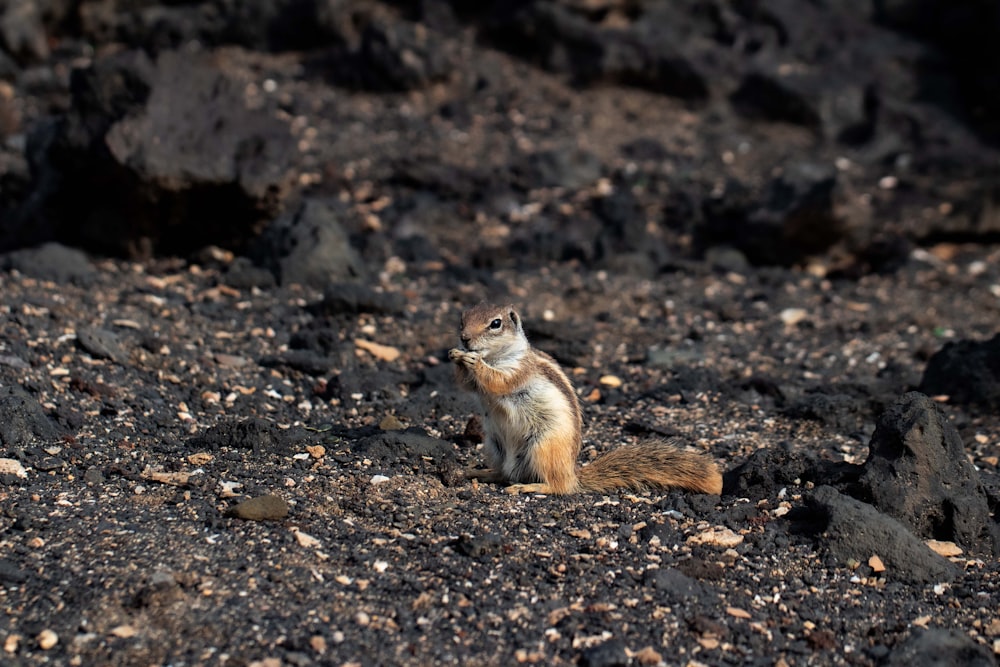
x=652, y=464
x=533, y=420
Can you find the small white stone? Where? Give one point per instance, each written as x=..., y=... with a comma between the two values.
x=792, y=316
x=305, y=540
x=12, y=467
x=718, y=536
x=379, y=479
x=888, y=182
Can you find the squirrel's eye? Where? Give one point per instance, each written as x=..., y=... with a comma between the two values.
x=496, y=324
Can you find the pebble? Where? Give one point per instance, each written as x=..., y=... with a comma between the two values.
x=736, y=612
x=49, y=463
x=47, y=639
x=945, y=549
x=228, y=489
x=170, y=478
x=612, y=381
x=13, y=362
x=262, y=508
x=792, y=316
x=305, y=540
x=391, y=423
x=876, y=564
x=383, y=352
x=93, y=476
x=12, y=467
x=230, y=360
x=102, y=344
x=719, y=537
x=648, y=656
x=124, y=631
x=267, y=662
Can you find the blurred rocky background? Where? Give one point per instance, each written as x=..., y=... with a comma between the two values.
x=838, y=135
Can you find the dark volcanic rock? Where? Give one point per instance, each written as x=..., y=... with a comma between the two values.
x=918, y=472
x=274, y=25
x=852, y=530
x=481, y=547
x=769, y=470
x=606, y=654
x=793, y=218
x=966, y=34
x=22, y=421
x=675, y=586
x=842, y=407
x=563, y=169
x=353, y=298
x=309, y=246
x=647, y=54
x=307, y=361
x=50, y=261
x=255, y=434
x=769, y=96
x=938, y=646
x=155, y=157
x=243, y=273
x=22, y=32
x=11, y=573
x=101, y=344
x=322, y=339
x=402, y=446
x=402, y=56
x=369, y=50
x=625, y=239
x=967, y=371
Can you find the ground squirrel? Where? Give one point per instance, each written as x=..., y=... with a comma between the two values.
x=533, y=422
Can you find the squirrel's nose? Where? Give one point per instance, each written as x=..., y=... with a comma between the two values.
x=465, y=341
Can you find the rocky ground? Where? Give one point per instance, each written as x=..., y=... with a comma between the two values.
x=236, y=241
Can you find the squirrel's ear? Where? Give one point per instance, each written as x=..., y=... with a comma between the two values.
x=513, y=316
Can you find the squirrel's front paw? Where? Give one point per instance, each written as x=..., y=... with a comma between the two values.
x=464, y=357
x=515, y=489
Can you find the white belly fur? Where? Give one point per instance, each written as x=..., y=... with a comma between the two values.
x=515, y=426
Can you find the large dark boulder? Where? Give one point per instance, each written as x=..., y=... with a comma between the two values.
x=967, y=371
x=23, y=423
x=155, y=157
x=792, y=218
x=309, y=246
x=850, y=530
x=917, y=471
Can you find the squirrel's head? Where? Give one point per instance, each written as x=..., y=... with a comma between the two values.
x=487, y=327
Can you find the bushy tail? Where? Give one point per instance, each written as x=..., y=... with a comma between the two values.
x=652, y=464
